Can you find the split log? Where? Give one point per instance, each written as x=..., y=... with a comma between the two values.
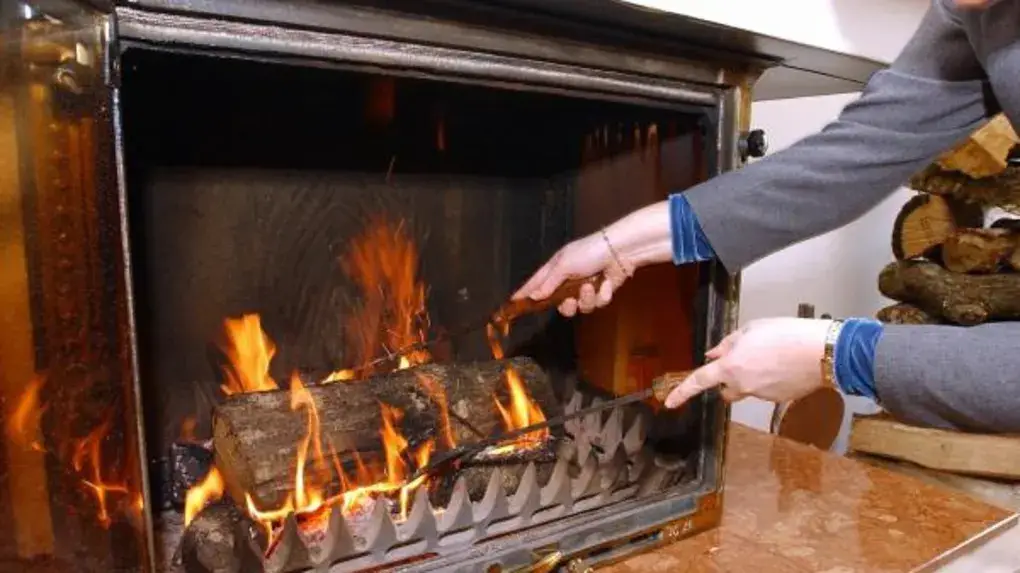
x=985, y=455
x=1002, y=190
x=903, y=313
x=962, y=299
x=978, y=250
x=256, y=436
x=985, y=152
x=927, y=221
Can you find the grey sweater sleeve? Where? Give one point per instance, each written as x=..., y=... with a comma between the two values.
x=932, y=96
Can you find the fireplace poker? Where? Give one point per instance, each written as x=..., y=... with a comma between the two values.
x=501, y=317
x=661, y=387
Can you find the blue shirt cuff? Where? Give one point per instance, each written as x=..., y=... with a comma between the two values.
x=689, y=242
x=854, y=357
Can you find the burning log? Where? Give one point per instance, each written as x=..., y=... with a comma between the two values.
x=477, y=473
x=257, y=437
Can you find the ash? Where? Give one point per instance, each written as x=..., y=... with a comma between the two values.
x=169, y=529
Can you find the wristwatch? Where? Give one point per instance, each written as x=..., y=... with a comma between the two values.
x=828, y=355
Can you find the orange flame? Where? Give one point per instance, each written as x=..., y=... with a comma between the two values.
x=86, y=456
x=88, y=452
x=202, y=494
x=522, y=410
x=309, y=502
x=437, y=392
x=249, y=351
x=383, y=261
x=24, y=423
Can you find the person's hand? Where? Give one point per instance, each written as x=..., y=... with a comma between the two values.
x=776, y=359
x=640, y=238
x=579, y=259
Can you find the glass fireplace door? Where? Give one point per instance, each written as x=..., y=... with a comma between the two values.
x=70, y=474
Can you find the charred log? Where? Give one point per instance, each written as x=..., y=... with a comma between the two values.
x=210, y=543
x=256, y=436
x=477, y=473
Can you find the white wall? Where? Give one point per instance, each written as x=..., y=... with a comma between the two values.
x=874, y=29
x=837, y=272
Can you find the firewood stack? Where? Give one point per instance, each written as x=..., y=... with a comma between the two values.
x=957, y=242
x=957, y=250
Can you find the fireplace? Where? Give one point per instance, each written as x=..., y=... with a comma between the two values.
x=217, y=214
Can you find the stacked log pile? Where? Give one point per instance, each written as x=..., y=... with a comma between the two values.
x=957, y=242
x=957, y=250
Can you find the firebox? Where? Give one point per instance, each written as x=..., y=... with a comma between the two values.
x=249, y=253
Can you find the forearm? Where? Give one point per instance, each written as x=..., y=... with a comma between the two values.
x=932, y=97
x=964, y=378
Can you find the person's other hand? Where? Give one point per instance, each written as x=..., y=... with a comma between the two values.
x=582, y=258
x=776, y=359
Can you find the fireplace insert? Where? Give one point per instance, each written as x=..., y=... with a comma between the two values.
x=220, y=216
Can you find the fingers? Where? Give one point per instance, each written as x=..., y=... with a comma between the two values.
x=568, y=307
x=586, y=298
x=605, y=294
x=708, y=376
x=724, y=346
x=731, y=394
x=543, y=282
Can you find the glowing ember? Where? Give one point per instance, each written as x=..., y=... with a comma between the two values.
x=339, y=376
x=249, y=351
x=202, y=494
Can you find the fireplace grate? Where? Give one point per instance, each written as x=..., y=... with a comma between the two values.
x=605, y=467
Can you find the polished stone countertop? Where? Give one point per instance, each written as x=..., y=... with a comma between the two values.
x=792, y=508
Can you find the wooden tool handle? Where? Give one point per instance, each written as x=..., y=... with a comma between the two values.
x=569, y=288
x=663, y=384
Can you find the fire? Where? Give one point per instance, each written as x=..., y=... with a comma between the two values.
x=438, y=394
x=309, y=502
x=249, y=351
x=383, y=261
x=208, y=490
x=23, y=425
x=87, y=459
x=522, y=410
x=98, y=469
